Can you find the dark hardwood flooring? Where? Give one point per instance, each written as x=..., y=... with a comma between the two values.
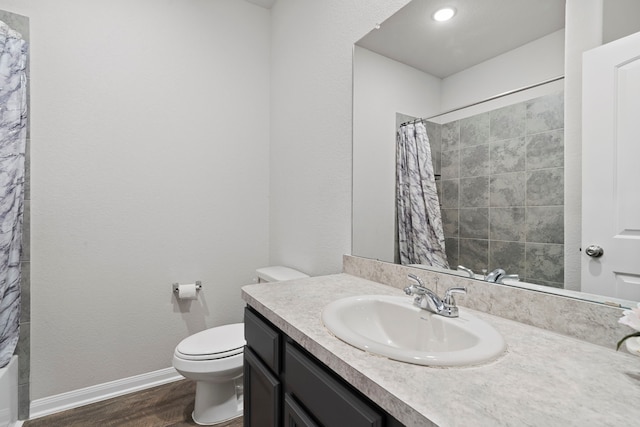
x=168, y=405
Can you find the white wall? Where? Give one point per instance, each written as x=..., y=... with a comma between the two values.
x=503, y=101
x=382, y=87
x=619, y=19
x=149, y=129
x=310, y=174
x=534, y=62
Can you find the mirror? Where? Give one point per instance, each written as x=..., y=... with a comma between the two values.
x=454, y=74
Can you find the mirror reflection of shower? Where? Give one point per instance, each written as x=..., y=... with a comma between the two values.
x=501, y=189
x=388, y=79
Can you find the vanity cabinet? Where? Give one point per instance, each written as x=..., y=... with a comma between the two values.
x=285, y=385
x=262, y=386
x=295, y=415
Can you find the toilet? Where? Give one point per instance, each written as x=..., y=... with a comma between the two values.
x=213, y=358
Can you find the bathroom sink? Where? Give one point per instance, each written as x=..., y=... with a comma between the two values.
x=393, y=327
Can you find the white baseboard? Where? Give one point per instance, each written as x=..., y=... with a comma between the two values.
x=84, y=396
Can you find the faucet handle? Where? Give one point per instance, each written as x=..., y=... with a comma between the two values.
x=466, y=270
x=417, y=279
x=449, y=302
x=412, y=289
x=448, y=295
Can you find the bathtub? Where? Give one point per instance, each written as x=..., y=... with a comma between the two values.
x=9, y=394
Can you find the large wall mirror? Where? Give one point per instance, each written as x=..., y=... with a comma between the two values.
x=489, y=87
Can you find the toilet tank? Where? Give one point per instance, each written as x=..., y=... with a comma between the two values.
x=278, y=273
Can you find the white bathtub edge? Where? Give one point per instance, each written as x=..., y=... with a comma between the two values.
x=9, y=393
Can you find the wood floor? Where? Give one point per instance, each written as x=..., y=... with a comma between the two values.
x=169, y=405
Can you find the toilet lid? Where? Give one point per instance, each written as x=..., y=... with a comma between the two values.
x=214, y=343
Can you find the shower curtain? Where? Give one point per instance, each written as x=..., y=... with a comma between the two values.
x=13, y=127
x=420, y=234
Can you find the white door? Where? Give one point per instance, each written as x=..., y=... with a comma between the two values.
x=611, y=169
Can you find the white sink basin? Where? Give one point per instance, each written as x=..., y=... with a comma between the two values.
x=393, y=327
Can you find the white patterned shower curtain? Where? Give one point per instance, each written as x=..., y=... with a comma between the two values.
x=420, y=235
x=13, y=128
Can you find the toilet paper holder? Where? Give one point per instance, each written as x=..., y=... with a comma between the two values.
x=175, y=286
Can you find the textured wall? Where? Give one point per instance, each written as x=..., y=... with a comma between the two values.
x=382, y=88
x=311, y=85
x=149, y=132
x=532, y=63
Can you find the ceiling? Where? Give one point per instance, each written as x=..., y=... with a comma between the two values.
x=480, y=30
x=267, y=4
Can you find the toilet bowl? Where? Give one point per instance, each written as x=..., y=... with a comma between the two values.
x=214, y=359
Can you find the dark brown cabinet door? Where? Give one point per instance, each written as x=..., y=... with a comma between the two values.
x=261, y=393
x=294, y=415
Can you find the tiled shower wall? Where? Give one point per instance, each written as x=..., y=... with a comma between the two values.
x=21, y=24
x=503, y=190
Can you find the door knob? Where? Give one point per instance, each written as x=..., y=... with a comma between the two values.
x=594, y=251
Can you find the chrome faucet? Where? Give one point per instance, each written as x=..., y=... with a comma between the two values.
x=495, y=275
x=466, y=270
x=499, y=275
x=426, y=299
x=504, y=277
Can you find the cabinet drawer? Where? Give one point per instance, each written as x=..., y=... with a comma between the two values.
x=263, y=339
x=328, y=400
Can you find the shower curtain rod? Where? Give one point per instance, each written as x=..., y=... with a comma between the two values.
x=511, y=92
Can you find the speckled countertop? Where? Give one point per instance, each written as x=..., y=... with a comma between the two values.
x=544, y=378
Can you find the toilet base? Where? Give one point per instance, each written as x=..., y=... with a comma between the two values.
x=217, y=402
x=239, y=414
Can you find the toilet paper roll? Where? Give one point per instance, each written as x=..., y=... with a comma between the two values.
x=188, y=291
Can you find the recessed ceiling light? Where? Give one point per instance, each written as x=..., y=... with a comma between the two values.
x=444, y=14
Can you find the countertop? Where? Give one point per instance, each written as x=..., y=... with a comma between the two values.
x=543, y=379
